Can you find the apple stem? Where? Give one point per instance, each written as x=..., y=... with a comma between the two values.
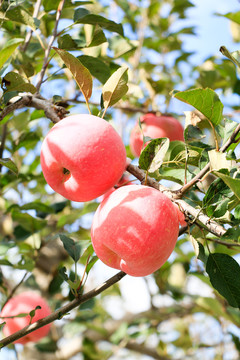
x=105, y=110
x=84, y=272
x=89, y=110
x=66, y=171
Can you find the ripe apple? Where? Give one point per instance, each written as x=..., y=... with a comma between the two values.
x=82, y=157
x=24, y=303
x=154, y=127
x=135, y=229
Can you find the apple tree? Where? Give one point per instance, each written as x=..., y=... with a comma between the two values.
x=122, y=61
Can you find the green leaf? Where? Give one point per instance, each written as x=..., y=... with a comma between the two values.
x=172, y=174
x=19, y=15
x=234, y=16
x=121, y=46
x=211, y=305
x=226, y=130
x=204, y=100
x=99, y=20
x=79, y=72
x=8, y=50
x=236, y=341
x=28, y=222
x=79, y=13
x=63, y=274
x=53, y=4
x=93, y=260
x=5, y=246
x=12, y=81
x=217, y=198
x=218, y=160
x=234, y=56
x=33, y=312
x=38, y=206
x=224, y=274
x=46, y=345
x=232, y=234
x=120, y=333
x=232, y=183
x=10, y=165
x=68, y=43
x=115, y=87
x=237, y=212
x=219, y=210
x=97, y=67
x=152, y=156
x=73, y=249
x=192, y=133
x=27, y=140
x=5, y=262
x=97, y=37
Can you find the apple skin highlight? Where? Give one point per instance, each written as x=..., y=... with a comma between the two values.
x=154, y=127
x=82, y=157
x=20, y=304
x=135, y=229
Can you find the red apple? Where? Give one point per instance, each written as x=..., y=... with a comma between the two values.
x=154, y=127
x=82, y=157
x=24, y=303
x=135, y=229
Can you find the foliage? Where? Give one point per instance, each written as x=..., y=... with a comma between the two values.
x=71, y=56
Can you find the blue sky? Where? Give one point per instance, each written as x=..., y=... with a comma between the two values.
x=212, y=31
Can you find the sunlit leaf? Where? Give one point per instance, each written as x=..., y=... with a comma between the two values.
x=19, y=15
x=94, y=19
x=97, y=67
x=115, y=87
x=234, y=56
x=204, y=100
x=28, y=222
x=218, y=160
x=79, y=72
x=234, y=16
x=232, y=183
x=10, y=165
x=8, y=50
x=12, y=81
x=152, y=156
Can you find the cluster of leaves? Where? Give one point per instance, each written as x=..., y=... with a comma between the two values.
x=96, y=52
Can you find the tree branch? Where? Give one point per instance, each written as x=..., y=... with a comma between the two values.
x=54, y=112
x=58, y=314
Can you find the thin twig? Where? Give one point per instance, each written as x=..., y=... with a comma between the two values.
x=52, y=39
x=58, y=314
x=29, y=34
x=200, y=175
x=15, y=289
x=3, y=140
x=54, y=112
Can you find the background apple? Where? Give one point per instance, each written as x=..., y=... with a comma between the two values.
x=154, y=127
x=82, y=157
x=135, y=229
x=24, y=303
